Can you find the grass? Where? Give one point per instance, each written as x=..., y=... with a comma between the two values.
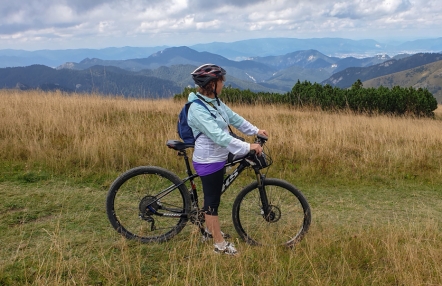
x=96, y=138
x=373, y=183
x=56, y=234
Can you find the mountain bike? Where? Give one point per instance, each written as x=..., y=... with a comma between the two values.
x=152, y=204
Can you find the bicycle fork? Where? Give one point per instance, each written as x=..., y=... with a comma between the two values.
x=266, y=210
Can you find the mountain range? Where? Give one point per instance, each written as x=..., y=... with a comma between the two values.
x=348, y=76
x=167, y=71
x=239, y=50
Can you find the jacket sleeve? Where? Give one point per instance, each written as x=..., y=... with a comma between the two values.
x=240, y=123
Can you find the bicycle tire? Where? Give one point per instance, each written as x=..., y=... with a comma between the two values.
x=132, y=208
x=289, y=220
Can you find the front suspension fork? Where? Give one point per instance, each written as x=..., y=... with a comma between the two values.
x=263, y=194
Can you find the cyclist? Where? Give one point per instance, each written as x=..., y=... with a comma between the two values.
x=213, y=143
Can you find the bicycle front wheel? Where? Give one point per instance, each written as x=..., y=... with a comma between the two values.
x=286, y=220
x=146, y=204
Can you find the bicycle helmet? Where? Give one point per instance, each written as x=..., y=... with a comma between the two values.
x=205, y=73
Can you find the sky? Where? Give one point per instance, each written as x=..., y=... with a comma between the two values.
x=72, y=24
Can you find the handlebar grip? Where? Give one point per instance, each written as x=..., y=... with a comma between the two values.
x=262, y=137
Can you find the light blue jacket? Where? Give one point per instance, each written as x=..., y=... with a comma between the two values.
x=215, y=141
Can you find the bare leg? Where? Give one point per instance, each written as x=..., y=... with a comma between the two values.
x=214, y=227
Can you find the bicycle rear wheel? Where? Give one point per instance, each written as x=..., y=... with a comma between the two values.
x=145, y=204
x=288, y=217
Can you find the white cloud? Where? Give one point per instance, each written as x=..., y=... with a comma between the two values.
x=100, y=23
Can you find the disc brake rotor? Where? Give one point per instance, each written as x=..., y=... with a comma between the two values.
x=273, y=214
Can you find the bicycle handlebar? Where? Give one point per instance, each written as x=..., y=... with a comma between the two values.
x=261, y=140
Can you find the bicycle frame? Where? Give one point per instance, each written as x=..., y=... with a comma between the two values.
x=244, y=162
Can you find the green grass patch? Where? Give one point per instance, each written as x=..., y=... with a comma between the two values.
x=56, y=233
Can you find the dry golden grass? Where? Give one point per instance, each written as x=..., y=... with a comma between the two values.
x=77, y=135
x=80, y=132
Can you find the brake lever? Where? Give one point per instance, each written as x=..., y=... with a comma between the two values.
x=261, y=139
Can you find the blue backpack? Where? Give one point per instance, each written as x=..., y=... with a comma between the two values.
x=183, y=129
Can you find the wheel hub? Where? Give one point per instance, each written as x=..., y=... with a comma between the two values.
x=148, y=206
x=273, y=214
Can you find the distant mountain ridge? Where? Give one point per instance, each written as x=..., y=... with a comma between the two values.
x=334, y=47
x=183, y=56
x=313, y=59
x=163, y=82
x=166, y=72
x=54, y=58
x=347, y=77
x=275, y=72
x=239, y=50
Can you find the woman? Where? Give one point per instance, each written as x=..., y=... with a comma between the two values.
x=214, y=142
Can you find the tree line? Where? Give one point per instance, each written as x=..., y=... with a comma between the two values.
x=395, y=101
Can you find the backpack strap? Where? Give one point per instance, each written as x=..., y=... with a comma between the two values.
x=200, y=98
x=205, y=106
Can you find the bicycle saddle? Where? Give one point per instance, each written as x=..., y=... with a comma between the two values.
x=178, y=145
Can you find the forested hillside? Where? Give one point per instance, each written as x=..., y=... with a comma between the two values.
x=427, y=76
x=104, y=80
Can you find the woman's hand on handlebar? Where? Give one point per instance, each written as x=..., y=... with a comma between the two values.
x=257, y=148
x=263, y=132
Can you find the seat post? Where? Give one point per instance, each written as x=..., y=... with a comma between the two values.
x=186, y=159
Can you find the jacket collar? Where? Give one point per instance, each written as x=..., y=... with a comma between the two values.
x=207, y=99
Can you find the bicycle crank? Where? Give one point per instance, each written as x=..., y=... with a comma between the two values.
x=197, y=218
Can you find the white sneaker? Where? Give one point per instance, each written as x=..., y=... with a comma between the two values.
x=208, y=235
x=228, y=249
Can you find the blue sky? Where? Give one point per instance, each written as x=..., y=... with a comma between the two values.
x=70, y=24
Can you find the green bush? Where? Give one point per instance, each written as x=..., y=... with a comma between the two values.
x=395, y=101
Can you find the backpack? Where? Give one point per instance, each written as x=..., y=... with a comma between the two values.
x=183, y=129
